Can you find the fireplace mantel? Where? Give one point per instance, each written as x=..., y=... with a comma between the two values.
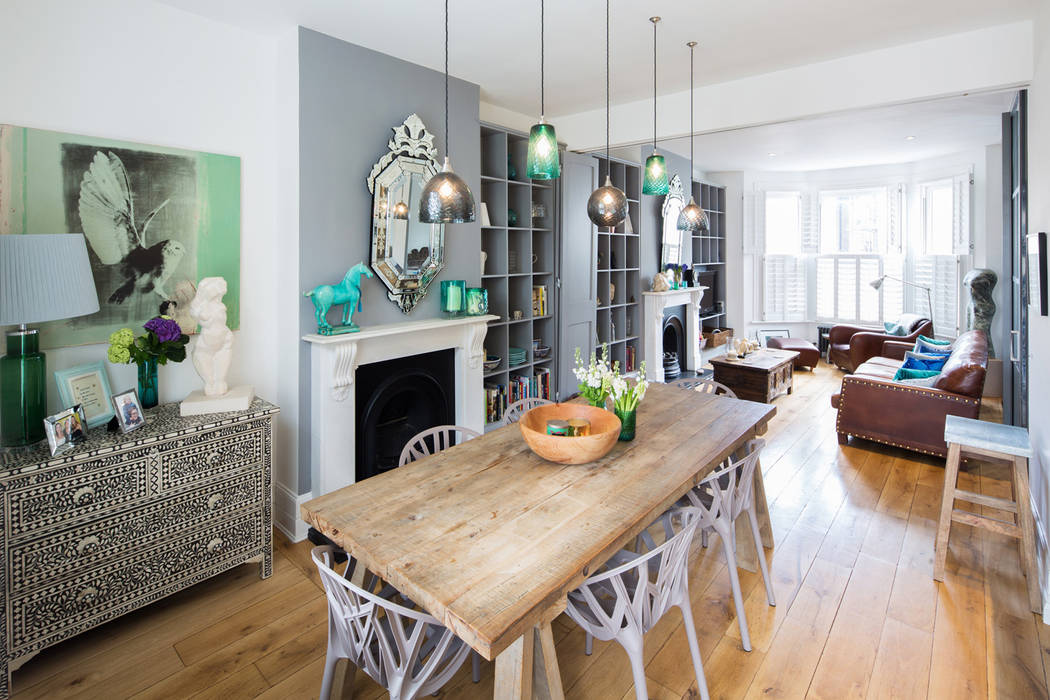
x=334, y=360
x=653, y=326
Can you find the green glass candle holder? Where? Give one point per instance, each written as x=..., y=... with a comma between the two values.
x=477, y=301
x=453, y=298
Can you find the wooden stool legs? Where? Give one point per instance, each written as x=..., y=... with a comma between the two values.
x=1023, y=530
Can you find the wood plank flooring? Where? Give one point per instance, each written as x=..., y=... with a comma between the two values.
x=858, y=614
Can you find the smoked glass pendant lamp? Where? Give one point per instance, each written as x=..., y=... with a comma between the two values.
x=655, y=181
x=542, y=162
x=446, y=198
x=607, y=205
x=692, y=218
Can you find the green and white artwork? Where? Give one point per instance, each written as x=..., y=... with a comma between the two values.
x=155, y=218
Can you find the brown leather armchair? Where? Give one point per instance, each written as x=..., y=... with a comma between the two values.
x=851, y=346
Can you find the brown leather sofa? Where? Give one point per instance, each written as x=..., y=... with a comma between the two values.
x=851, y=346
x=872, y=406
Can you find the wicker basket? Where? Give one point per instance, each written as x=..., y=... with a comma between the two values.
x=717, y=336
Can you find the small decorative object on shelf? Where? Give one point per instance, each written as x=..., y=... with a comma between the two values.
x=595, y=378
x=453, y=297
x=212, y=355
x=485, y=220
x=660, y=283
x=484, y=259
x=512, y=172
x=477, y=301
x=512, y=217
x=162, y=341
x=347, y=293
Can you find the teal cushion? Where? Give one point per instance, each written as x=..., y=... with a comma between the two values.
x=914, y=374
x=915, y=360
x=929, y=346
x=894, y=328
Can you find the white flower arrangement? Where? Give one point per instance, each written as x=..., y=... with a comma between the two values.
x=626, y=396
x=595, y=378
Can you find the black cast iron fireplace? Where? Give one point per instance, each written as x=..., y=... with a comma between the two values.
x=397, y=399
x=674, y=347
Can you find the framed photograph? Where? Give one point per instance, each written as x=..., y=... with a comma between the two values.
x=129, y=410
x=65, y=429
x=1037, y=282
x=87, y=385
x=764, y=335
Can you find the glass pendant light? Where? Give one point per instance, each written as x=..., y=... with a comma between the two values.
x=692, y=218
x=542, y=162
x=401, y=211
x=655, y=168
x=607, y=205
x=446, y=198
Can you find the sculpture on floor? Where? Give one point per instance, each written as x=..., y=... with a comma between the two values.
x=981, y=308
x=212, y=354
x=347, y=293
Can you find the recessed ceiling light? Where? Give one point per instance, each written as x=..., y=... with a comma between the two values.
x=772, y=155
x=909, y=138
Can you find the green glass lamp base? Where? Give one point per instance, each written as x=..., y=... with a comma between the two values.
x=23, y=390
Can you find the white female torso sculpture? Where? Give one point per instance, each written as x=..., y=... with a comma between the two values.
x=212, y=354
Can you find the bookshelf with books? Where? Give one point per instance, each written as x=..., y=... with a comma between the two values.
x=709, y=258
x=519, y=229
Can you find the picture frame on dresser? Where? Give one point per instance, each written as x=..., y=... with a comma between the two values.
x=130, y=415
x=88, y=385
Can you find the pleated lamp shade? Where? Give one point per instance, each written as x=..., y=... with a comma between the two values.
x=45, y=277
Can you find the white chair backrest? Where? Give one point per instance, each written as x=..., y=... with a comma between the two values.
x=705, y=386
x=730, y=487
x=642, y=588
x=518, y=408
x=406, y=651
x=434, y=440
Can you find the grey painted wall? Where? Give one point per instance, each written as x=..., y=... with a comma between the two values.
x=349, y=100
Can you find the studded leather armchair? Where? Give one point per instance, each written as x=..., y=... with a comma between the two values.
x=852, y=346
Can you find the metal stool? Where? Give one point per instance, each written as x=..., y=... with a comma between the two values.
x=1006, y=443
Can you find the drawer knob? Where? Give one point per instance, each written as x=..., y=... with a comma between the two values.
x=215, y=500
x=216, y=545
x=84, y=495
x=88, y=544
x=87, y=595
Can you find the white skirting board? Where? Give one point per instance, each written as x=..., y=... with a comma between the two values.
x=286, y=512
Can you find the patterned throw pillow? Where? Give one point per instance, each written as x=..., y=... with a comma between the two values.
x=924, y=381
x=914, y=374
x=930, y=346
x=915, y=360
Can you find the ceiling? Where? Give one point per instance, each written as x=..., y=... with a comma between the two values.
x=495, y=43
x=869, y=137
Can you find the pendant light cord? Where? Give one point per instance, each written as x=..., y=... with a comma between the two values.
x=608, y=163
x=542, y=108
x=690, y=115
x=654, y=87
x=448, y=138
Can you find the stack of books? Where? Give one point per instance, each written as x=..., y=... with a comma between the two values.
x=495, y=402
x=536, y=386
x=539, y=300
x=629, y=360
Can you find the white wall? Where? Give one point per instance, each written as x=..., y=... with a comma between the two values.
x=139, y=71
x=1039, y=326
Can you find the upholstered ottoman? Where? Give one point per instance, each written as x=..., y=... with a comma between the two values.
x=808, y=354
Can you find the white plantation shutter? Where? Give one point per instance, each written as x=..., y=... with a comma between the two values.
x=754, y=223
x=868, y=309
x=962, y=240
x=895, y=220
x=826, y=287
x=892, y=290
x=784, y=296
x=810, y=211
x=941, y=274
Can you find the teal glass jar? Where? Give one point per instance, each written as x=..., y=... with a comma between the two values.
x=148, y=393
x=453, y=298
x=477, y=301
x=23, y=390
x=627, y=422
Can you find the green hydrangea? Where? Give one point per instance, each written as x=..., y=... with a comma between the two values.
x=123, y=338
x=118, y=354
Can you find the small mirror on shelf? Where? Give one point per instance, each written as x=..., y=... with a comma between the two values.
x=405, y=253
x=674, y=202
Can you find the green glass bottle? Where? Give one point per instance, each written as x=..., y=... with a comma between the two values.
x=23, y=390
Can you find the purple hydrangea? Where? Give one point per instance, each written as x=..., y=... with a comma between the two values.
x=164, y=328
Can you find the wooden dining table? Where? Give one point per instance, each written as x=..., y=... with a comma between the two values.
x=489, y=538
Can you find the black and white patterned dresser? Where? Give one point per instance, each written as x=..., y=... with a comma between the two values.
x=124, y=520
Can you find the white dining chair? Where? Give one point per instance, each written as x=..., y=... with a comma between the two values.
x=722, y=497
x=705, y=386
x=515, y=411
x=405, y=650
x=626, y=599
x=434, y=440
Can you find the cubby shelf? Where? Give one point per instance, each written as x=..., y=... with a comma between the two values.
x=709, y=256
x=520, y=257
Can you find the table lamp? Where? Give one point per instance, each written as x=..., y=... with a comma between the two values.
x=43, y=277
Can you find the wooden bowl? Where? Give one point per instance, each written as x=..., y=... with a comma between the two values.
x=605, y=430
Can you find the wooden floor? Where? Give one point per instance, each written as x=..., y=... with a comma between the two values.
x=858, y=614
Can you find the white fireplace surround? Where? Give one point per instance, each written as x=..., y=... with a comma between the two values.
x=334, y=361
x=653, y=327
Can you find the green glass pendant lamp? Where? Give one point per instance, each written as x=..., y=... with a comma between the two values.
x=692, y=218
x=542, y=162
x=655, y=168
x=607, y=205
x=446, y=198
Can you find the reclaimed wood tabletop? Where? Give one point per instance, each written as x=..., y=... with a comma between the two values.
x=489, y=538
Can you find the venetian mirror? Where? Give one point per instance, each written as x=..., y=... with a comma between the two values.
x=674, y=202
x=405, y=253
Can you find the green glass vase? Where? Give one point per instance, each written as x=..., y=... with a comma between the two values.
x=148, y=393
x=627, y=420
x=23, y=390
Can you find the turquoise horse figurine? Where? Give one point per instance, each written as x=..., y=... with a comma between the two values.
x=347, y=293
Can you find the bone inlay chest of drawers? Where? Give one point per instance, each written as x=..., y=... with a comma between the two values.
x=124, y=520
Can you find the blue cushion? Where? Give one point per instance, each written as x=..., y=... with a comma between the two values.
x=903, y=373
x=915, y=360
x=927, y=346
x=894, y=328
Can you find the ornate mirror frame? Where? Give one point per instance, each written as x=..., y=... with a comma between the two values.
x=411, y=153
x=674, y=202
